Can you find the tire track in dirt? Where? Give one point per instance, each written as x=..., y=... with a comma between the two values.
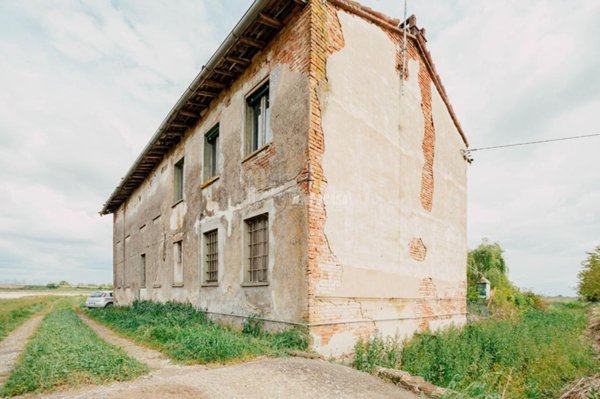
x=12, y=346
x=151, y=357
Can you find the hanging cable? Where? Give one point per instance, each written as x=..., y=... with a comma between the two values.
x=404, y=28
x=467, y=153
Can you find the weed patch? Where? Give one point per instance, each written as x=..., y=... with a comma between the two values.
x=64, y=351
x=532, y=356
x=185, y=334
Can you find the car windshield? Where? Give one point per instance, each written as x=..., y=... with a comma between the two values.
x=97, y=294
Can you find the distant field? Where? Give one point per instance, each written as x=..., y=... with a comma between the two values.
x=14, y=287
x=560, y=299
x=13, y=312
x=66, y=352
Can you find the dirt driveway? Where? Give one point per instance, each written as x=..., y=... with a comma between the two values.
x=262, y=378
x=266, y=378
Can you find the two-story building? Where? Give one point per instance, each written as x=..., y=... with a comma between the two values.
x=311, y=174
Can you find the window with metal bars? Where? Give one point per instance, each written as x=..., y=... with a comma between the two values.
x=211, y=240
x=258, y=248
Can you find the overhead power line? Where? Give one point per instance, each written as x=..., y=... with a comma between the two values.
x=467, y=153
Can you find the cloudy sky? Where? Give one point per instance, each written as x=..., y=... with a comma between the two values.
x=84, y=84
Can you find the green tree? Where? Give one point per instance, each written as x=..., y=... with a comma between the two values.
x=589, y=276
x=487, y=260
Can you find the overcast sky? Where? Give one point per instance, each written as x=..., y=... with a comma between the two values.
x=84, y=85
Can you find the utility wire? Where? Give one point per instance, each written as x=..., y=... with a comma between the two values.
x=469, y=158
x=532, y=142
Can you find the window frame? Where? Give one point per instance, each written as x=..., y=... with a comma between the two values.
x=178, y=181
x=211, y=153
x=256, y=252
x=178, y=263
x=210, y=257
x=143, y=271
x=258, y=128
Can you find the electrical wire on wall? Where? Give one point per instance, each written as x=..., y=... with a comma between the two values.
x=404, y=28
x=467, y=154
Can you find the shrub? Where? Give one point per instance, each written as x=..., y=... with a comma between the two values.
x=377, y=351
x=253, y=325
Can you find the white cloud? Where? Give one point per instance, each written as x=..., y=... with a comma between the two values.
x=86, y=83
x=519, y=71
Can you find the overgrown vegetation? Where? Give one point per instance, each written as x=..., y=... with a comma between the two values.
x=533, y=356
x=186, y=335
x=589, y=277
x=13, y=312
x=487, y=261
x=64, y=351
x=521, y=348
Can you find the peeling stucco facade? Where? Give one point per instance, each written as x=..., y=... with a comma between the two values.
x=364, y=187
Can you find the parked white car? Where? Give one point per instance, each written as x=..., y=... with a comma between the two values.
x=100, y=299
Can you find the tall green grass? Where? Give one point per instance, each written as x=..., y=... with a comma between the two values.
x=13, y=312
x=185, y=334
x=64, y=351
x=532, y=356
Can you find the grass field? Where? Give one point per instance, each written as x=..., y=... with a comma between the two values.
x=13, y=312
x=184, y=334
x=533, y=356
x=64, y=351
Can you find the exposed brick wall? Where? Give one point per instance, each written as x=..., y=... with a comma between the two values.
x=324, y=273
x=261, y=160
x=428, y=139
x=417, y=249
x=413, y=52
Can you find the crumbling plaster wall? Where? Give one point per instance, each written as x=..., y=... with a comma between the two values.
x=399, y=262
x=247, y=186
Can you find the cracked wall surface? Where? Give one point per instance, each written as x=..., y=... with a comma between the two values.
x=365, y=191
x=267, y=182
x=390, y=177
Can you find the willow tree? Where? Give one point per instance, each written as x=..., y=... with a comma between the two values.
x=589, y=276
x=487, y=261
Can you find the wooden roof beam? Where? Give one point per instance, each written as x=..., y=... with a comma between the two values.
x=206, y=93
x=188, y=114
x=259, y=44
x=225, y=72
x=237, y=60
x=268, y=21
x=215, y=84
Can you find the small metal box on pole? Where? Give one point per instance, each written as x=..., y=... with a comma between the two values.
x=484, y=288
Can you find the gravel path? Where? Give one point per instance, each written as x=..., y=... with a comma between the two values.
x=151, y=357
x=265, y=378
x=12, y=346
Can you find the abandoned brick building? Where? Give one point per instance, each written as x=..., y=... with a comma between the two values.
x=307, y=177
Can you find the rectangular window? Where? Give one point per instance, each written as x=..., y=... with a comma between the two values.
x=178, y=181
x=211, y=240
x=258, y=130
x=178, y=263
x=258, y=248
x=211, y=153
x=143, y=271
